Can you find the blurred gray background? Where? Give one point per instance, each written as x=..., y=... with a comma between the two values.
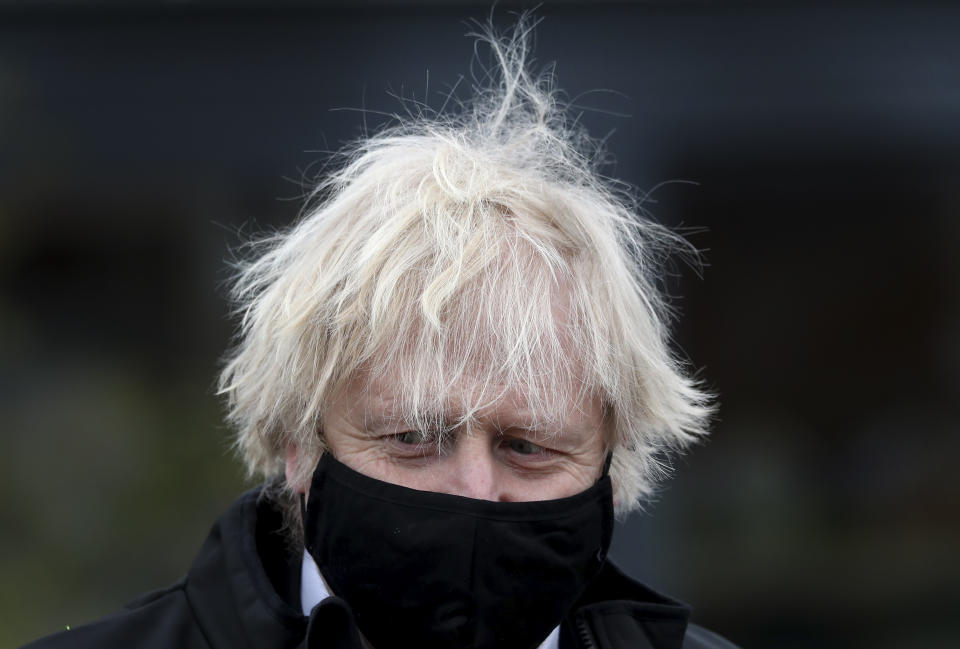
x=141, y=141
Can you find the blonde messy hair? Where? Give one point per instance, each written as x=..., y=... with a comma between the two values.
x=481, y=244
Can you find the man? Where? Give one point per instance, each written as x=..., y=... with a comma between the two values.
x=450, y=373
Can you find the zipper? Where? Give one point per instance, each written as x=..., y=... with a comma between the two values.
x=583, y=630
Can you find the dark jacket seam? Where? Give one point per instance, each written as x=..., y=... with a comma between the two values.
x=193, y=614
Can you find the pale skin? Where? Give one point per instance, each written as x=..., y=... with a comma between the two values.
x=500, y=455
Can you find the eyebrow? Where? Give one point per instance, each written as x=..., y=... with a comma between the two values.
x=380, y=422
x=382, y=419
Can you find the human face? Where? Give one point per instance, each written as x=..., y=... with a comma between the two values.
x=499, y=455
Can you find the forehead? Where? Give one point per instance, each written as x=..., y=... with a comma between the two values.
x=382, y=398
x=509, y=350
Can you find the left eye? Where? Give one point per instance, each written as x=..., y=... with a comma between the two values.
x=524, y=447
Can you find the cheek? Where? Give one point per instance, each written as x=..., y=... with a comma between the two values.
x=374, y=463
x=560, y=484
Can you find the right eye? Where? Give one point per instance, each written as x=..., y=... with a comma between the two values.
x=414, y=444
x=410, y=437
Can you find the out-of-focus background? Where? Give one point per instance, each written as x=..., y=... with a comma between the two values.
x=141, y=141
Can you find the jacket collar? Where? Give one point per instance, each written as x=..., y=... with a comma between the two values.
x=237, y=605
x=617, y=611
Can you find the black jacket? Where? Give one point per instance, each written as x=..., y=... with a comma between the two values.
x=242, y=592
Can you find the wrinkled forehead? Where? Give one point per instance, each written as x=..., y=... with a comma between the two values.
x=382, y=403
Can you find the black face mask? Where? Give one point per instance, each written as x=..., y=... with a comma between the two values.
x=423, y=569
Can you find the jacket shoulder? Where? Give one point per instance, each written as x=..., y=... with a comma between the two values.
x=699, y=638
x=160, y=619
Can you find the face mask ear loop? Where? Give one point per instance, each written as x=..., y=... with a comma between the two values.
x=606, y=464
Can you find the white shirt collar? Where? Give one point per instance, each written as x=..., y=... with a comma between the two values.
x=313, y=590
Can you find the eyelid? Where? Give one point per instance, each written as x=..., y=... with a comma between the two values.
x=425, y=443
x=422, y=436
x=539, y=451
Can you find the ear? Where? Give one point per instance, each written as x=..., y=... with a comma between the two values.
x=291, y=463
